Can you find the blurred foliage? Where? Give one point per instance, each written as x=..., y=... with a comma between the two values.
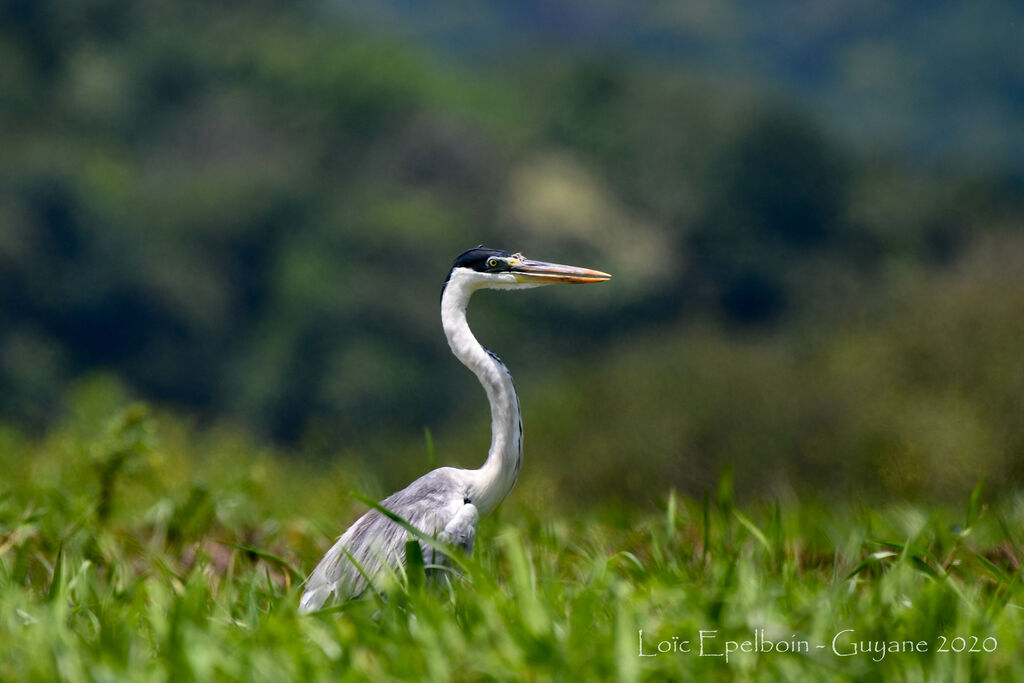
x=918, y=400
x=245, y=211
x=939, y=81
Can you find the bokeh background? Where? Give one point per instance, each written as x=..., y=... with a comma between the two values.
x=814, y=213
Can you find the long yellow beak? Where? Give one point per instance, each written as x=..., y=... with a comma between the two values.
x=539, y=272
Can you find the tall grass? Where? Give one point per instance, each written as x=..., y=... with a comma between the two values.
x=135, y=547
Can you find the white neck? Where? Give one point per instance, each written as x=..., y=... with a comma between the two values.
x=491, y=483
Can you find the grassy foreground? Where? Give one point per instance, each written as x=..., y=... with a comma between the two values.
x=132, y=548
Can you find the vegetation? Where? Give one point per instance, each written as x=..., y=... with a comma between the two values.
x=145, y=549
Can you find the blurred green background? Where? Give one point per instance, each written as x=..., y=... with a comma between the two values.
x=813, y=211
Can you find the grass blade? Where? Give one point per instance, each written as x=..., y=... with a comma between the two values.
x=270, y=557
x=57, y=579
x=414, y=567
x=754, y=531
x=973, y=505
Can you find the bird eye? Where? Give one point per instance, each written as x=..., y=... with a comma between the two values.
x=492, y=263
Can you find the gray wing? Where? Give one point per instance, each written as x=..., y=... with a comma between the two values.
x=435, y=503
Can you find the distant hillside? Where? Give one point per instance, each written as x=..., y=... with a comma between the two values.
x=943, y=80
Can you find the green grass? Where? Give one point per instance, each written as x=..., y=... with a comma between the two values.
x=139, y=548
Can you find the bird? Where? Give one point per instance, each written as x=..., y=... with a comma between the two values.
x=448, y=502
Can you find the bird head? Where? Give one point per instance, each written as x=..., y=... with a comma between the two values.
x=483, y=268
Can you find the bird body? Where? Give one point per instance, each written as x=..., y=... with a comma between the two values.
x=434, y=503
x=447, y=502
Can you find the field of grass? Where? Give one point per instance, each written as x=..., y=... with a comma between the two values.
x=136, y=547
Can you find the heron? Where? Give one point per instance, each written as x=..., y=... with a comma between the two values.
x=448, y=502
